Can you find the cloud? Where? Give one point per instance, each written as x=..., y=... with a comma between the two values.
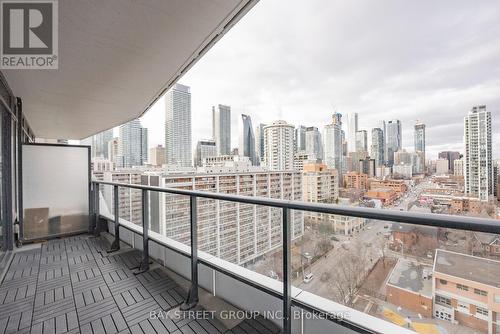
x=301, y=60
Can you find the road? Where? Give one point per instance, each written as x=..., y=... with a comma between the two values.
x=411, y=196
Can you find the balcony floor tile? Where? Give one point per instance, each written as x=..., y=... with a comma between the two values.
x=71, y=285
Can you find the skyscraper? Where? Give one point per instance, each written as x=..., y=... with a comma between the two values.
x=420, y=141
x=132, y=144
x=247, y=139
x=178, y=126
x=278, y=146
x=259, y=141
x=478, y=163
x=300, y=138
x=221, y=128
x=314, y=144
x=333, y=143
x=204, y=149
x=361, y=141
x=144, y=145
x=352, y=128
x=378, y=146
x=113, y=150
x=99, y=143
x=393, y=139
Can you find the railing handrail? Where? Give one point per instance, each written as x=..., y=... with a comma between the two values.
x=435, y=220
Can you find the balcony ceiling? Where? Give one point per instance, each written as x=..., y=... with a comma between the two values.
x=116, y=57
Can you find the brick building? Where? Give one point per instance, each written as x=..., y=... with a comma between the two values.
x=356, y=180
x=410, y=286
x=398, y=186
x=466, y=290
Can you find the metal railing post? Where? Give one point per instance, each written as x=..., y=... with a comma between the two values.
x=91, y=208
x=287, y=265
x=97, y=230
x=144, y=265
x=192, y=298
x=115, y=246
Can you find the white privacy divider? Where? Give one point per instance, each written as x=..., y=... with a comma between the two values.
x=56, y=185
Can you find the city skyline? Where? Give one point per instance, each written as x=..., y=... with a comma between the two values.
x=382, y=76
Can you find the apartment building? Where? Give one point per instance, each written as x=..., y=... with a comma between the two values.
x=466, y=290
x=130, y=200
x=478, y=167
x=278, y=146
x=458, y=167
x=157, y=155
x=235, y=232
x=356, y=180
x=320, y=184
x=300, y=158
x=204, y=149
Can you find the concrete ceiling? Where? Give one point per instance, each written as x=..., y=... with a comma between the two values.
x=116, y=57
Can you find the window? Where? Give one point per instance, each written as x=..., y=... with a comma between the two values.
x=443, y=300
x=497, y=299
x=480, y=292
x=464, y=307
x=481, y=311
x=462, y=287
x=443, y=281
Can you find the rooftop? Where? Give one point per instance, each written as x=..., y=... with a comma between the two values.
x=412, y=276
x=472, y=268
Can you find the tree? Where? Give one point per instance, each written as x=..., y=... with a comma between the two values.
x=348, y=273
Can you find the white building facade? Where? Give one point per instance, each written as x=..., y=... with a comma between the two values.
x=478, y=163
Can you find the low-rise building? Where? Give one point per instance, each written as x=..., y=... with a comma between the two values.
x=356, y=180
x=466, y=290
x=409, y=236
x=398, y=186
x=486, y=244
x=387, y=196
x=410, y=286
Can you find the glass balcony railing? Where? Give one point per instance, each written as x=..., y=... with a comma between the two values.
x=369, y=270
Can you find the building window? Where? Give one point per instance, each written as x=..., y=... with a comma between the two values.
x=497, y=299
x=481, y=311
x=443, y=300
x=463, y=307
x=462, y=287
x=480, y=292
x=443, y=281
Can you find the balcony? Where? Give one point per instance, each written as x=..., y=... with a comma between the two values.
x=126, y=277
x=110, y=268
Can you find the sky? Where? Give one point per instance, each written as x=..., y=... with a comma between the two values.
x=302, y=60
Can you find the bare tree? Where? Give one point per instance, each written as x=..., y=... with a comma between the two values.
x=381, y=243
x=348, y=273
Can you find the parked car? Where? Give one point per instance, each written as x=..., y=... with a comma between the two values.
x=308, y=278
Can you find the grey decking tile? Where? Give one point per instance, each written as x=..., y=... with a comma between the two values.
x=71, y=285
